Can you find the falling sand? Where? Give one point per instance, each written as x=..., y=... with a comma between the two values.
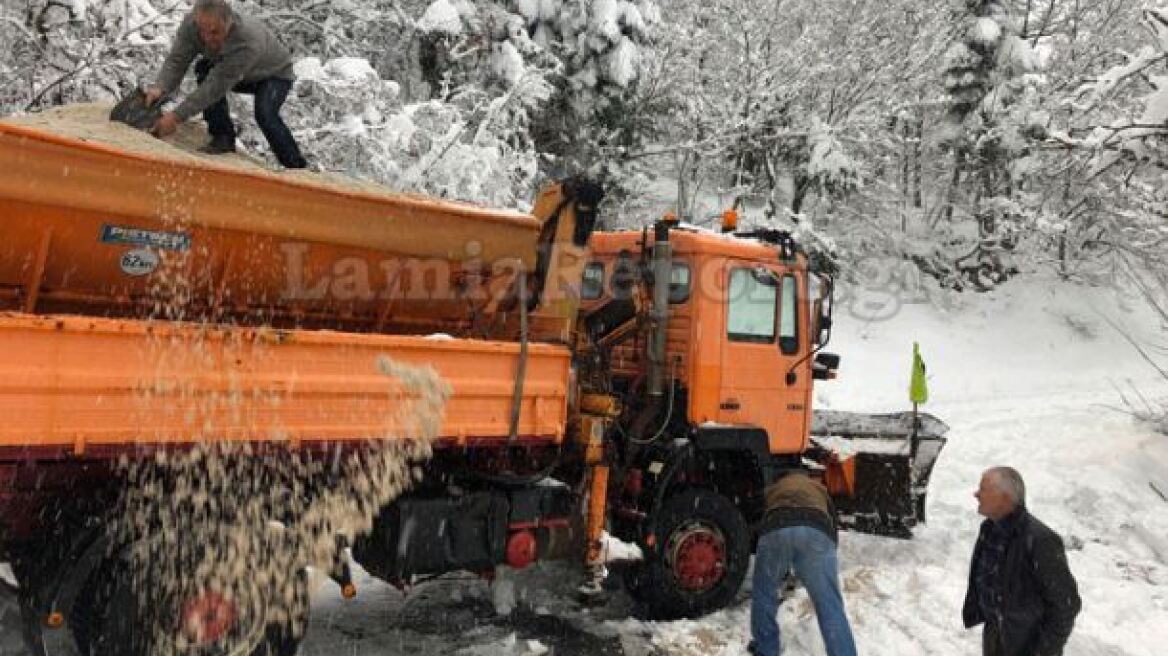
x=241, y=523
x=220, y=533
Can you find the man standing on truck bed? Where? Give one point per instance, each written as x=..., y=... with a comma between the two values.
x=238, y=53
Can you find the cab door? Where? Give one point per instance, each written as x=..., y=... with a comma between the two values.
x=761, y=343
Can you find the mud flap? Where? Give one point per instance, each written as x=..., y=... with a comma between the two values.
x=892, y=466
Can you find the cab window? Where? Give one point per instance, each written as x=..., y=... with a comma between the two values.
x=789, y=317
x=753, y=296
x=593, y=285
x=679, y=282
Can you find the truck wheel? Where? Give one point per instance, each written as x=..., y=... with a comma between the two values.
x=45, y=569
x=282, y=637
x=107, y=619
x=700, y=559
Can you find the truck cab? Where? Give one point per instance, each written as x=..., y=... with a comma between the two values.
x=741, y=325
x=714, y=373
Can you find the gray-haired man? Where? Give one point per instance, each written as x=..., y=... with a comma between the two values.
x=1020, y=586
x=238, y=53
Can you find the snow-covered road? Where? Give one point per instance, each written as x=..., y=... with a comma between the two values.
x=1088, y=470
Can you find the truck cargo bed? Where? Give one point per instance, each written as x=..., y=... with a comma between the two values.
x=80, y=385
x=120, y=224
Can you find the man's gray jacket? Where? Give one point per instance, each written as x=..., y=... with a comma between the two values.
x=250, y=53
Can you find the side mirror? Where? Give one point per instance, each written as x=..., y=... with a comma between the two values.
x=824, y=334
x=825, y=367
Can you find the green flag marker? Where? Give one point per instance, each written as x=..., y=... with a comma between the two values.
x=918, y=389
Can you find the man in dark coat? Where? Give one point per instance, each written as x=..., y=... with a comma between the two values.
x=799, y=534
x=236, y=53
x=1020, y=586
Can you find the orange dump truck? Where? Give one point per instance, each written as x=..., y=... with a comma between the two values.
x=661, y=378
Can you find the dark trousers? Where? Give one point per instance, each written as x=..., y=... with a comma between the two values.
x=996, y=642
x=269, y=97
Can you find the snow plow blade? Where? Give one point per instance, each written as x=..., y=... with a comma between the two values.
x=893, y=464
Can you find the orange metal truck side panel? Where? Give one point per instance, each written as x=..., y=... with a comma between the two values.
x=754, y=389
x=124, y=234
x=223, y=276
x=706, y=343
x=78, y=382
x=55, y=171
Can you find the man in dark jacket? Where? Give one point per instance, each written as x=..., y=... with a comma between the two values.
x=1020, y=586
x=237, y=53
x=799, y=533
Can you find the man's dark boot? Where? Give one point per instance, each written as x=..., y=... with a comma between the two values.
x=218, y=146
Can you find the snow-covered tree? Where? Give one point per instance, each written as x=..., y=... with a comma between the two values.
x=59, y=51
x=567, y=71
x=1113, y=207
x=1140, y=134
x=599, y=112
x=777, y=106
x=1045, y=138
x=992, y=119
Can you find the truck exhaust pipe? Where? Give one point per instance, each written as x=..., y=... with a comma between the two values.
x=661, y=265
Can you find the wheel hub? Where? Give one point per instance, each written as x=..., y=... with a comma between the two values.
x=698, y=557
x=208, y=618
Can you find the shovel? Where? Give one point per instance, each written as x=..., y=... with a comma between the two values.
x=132, y=110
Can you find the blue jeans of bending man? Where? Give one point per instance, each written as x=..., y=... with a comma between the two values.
x=269, y=98
x=811, y=554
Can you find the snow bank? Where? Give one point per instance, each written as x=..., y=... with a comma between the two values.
x=342, y=70
x=613, y=550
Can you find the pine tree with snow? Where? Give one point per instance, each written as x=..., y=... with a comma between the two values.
x=989, y=131
x=596, y=115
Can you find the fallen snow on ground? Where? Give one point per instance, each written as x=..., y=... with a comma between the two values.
x=614, y=550
x=1027, y=376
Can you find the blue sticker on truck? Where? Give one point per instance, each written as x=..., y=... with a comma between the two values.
x=171, y=241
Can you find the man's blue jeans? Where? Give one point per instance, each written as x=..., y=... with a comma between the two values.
x=812, y=556
x=269, y=98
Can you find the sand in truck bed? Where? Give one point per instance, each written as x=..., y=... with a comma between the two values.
x=90, y=123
